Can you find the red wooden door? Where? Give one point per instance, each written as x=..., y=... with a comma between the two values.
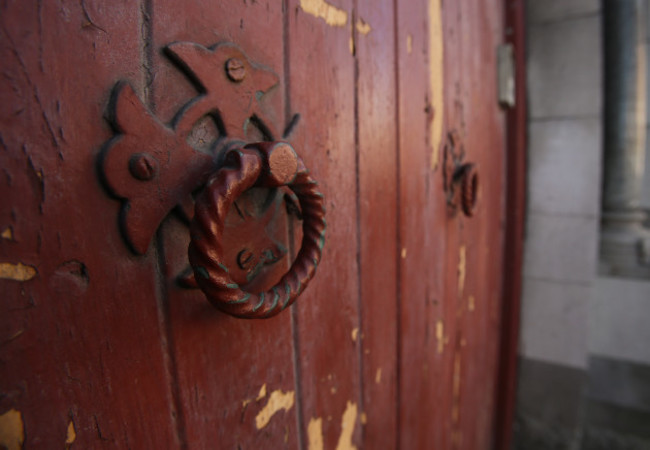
x=393, y=344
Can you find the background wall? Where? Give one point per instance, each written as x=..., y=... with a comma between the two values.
x=584, y=373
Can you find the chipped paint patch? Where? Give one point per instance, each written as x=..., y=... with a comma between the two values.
x=12, y=430
x=7, y=233
x=17, y=272
x=363, y=27
x=315, y=434
x=351, y=43
x=378, y=376
x=364, y=418
x=262, y=393
x=455, y=412
x=462, y=263
x=355, y=334
x=436, y=73
x=440, y=333
x=277, y=401
x=409, y=44
x=471, y=303
x=332, y=15
x=404, y=253
x=71, y=435
x=348, y=422
x=333, y=390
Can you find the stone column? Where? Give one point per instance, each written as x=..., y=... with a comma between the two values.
x=624, y=241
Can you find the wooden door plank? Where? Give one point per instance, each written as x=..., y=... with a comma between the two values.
x=235, y=378
x=422, y=222
x=81, y=358
x=321, y=77
x=474, y=269
x=377, y=199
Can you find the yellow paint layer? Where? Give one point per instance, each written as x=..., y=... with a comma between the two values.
x=436, y=78
x=277, y=401
x=315, y=434
x=71, y=435
x=262, y=393
x=440, y=330
x=378, y=376
x=409, y=44
x=17, y=272
x=363, y=27
x=455, y=413
x=332, y=15
x=7, y=233
x=462, y=266
x=348, y=422
x=355, y=334
x=364, y=418
x=404, y=253
x=12, y=430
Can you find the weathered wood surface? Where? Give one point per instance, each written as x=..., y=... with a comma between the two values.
x=235, y=383
x=82, y=354
x=394, y=343
x=322, y=88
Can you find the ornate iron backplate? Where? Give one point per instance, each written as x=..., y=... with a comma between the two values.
x=154, y=168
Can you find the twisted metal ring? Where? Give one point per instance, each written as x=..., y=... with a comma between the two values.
x=265, y=164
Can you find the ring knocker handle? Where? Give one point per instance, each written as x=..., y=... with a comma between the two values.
x=265, y=164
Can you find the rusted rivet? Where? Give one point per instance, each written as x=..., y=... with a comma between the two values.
x=469, y=189
x=235, y=69
x=143, y=166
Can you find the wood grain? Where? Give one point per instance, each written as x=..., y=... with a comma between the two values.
x=81, y=341
x=321, y=88
x=234, y=378
x=377, y=204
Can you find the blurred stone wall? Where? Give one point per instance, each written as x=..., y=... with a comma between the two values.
x=584, y=372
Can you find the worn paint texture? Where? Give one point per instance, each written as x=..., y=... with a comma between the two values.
x=262, y=393
x=363, y=27
x=277, y=401
x=378, y=376
x=409, y=44
x=436, y=81
x=17, y=272
x=315, y=434
x=332, y=15
x=355, y=334
x=462, y=267
x=7, y=233
x=71, y=435
x=12, y=430
x=348, y=422
x=455, y=413
x=471, y=303
x=440, y=332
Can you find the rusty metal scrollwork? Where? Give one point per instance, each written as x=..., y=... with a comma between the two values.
x=155, y=168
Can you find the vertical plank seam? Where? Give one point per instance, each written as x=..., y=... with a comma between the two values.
x=398, y=229
x=357, y=163
x=167, y=338
x=297, y=373
x=146, y=40
x=162, y=290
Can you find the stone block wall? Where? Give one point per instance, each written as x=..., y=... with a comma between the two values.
x=584, y=372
